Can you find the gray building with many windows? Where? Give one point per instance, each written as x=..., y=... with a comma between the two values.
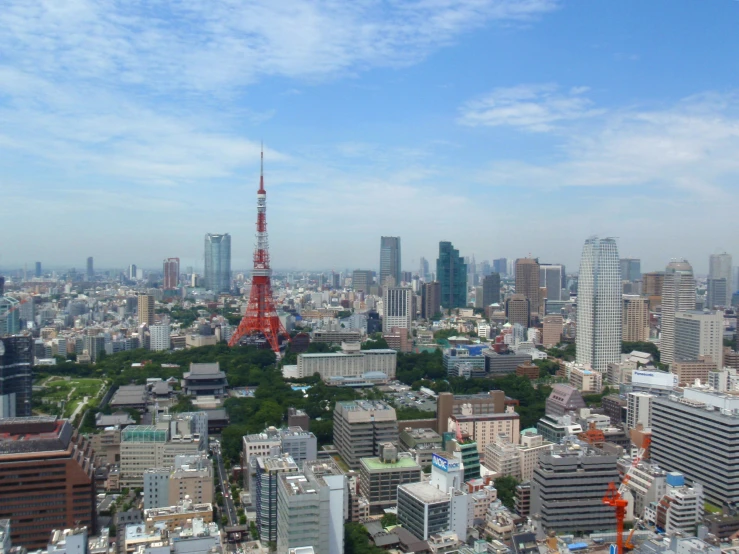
x=423, y=509
x=269, y=470
x=567, y=489
x=697, y=434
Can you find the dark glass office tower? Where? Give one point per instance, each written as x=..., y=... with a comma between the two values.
x=451, y=272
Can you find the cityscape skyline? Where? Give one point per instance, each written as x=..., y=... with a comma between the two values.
x=617, y=125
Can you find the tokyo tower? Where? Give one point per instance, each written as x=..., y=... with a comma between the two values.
x=261, y=317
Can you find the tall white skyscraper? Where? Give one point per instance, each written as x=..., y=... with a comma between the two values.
x=599, y=304
x=678, y=295
x=218, y=262
x=396, y=307
x=719, y=281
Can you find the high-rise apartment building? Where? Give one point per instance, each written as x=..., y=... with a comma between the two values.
x=146, y=309
x=360, y=427
x=90, y=270
x=361, y=280
x=552, y=277
x=719, y=281
x=527, y=281
x=430, y=299
x=16, y=379
x=599, y=305
x=653, y=283
x=390, y=261
x=630, y=269
x=518, y=310
x=678, y=295
x=698, y=334
x=46, y=479
x=159, y=339
x=635, y=318
x=451, y=272
x=491, y=289
x=218, y=262
x=396, y=305
x=171, y=273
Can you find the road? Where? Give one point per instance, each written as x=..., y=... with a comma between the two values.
x=228, y=503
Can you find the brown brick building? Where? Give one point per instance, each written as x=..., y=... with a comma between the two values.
x=46, y=479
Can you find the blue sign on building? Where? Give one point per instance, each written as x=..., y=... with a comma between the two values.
x=439, y=462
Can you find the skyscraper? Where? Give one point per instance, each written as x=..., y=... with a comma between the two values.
x=146, y=309
x=218, y=262
x=678, y=295
x=171, y=273
x=361, y=280
x=396, y=305
x=719, y=280
x=430, y=299
x=38, y=269
x=630, y=269
x=132, y=272
x=501, y=266
x=423, y=271
x=90, y=270
x=551, y=276
x=599, y=305
x=635, y=318
x=16, y=359
x=491, y=289
x=518, y=310
x=451, y=272
x=527, y=280
x=390, y=260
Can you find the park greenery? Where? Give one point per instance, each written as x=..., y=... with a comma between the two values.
x=357, y=540
x=65, y=396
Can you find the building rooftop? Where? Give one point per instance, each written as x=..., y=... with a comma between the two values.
x=404, y=462
x=22, y=435
x=425, y=492
x=299, y=484
x=129, y=395
x=205, y=371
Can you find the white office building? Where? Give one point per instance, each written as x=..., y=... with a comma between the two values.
x=638, y=409
x=159, y=336
x=699, y=333
x=678, y=295
x=352, y=361
x=599, y=305
x=719, y=281
x=396, y=305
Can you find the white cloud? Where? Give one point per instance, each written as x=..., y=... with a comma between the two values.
x=203, y=45
x=536, y=108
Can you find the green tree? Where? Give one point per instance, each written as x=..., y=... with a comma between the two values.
x=389, y=519
x=357, y=540
x=506, y=487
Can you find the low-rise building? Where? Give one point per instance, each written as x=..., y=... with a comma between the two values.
x=421, y=444
x=352, y=361
x=191, y=477
x=483, y=428
x=205, y=380
x=381, y=476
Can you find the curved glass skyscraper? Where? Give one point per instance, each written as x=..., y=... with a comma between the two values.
x=451, y=272
x=218, y=262
x=599, y=304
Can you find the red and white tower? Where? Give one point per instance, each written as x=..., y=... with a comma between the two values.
x=261, y=316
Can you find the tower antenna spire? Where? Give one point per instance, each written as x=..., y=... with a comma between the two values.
x=261, y=325
x=261, y=170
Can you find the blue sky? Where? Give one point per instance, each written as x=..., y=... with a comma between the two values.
x=130, y=129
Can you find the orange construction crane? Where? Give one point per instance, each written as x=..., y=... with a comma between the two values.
x=614, y=497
